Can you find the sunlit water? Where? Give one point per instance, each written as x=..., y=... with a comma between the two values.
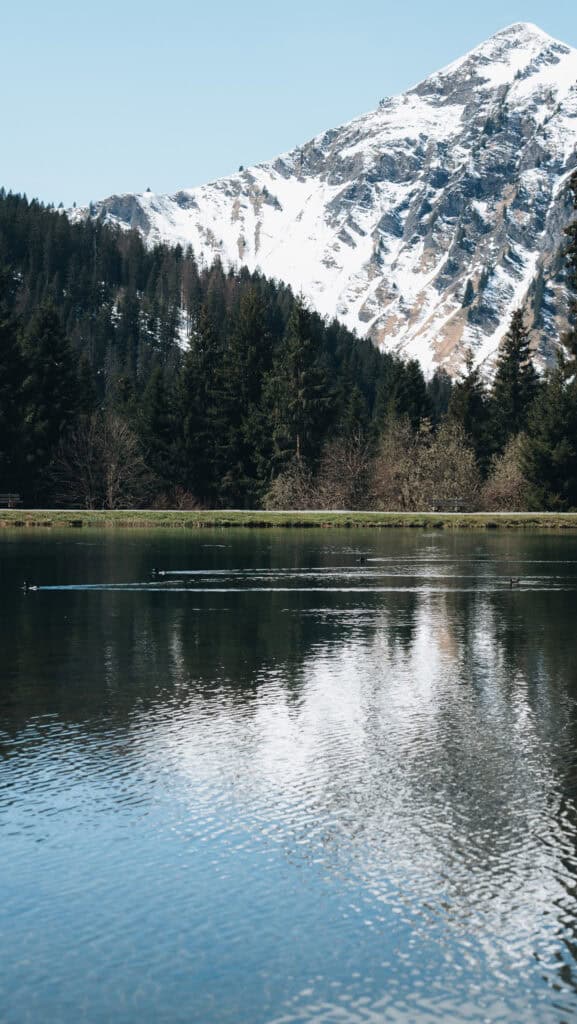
x=245, y=778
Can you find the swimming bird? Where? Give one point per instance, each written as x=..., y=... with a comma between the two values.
x=362, y=560
x=514, y=581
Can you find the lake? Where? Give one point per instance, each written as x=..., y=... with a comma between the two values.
x=246, y=778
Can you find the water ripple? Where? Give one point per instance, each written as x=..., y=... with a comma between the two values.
x=356, y=805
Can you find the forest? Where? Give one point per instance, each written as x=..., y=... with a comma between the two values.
x=133, y=377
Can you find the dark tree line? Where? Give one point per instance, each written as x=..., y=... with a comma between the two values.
x=132, y=376
x=221, y=378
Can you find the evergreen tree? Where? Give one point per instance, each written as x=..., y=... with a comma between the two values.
x=469, y=293
x=86, y=395
x=11, y=379
x=549, y=450
x=247, y=360
x=158, y=429
x=202, y=413
x=439, y=389
x=468, y=407
x=50, y=394
x=412, y=398
x=297, y=393
x=385, y=405
x=514, y=386
x=401, y=391
x=355, y=417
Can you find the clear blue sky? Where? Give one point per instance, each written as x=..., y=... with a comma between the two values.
x=117, y=96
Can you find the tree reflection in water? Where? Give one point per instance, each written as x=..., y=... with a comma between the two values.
x=400, y=735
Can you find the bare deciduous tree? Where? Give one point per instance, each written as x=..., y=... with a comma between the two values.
x=449, y=469
x=291, y=489
x=343, y=476
x=99, y=464
x=413, y=471
x=177, y=498
x=395, y=471
x=76, y=468
x=506, y=489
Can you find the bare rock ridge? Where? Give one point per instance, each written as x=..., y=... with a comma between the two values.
x=422, y=224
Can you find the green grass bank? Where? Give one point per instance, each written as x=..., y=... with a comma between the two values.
x=146, y=519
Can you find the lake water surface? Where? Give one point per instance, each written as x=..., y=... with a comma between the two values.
x=247, y=780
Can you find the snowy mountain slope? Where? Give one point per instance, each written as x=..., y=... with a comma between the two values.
x=423, y=223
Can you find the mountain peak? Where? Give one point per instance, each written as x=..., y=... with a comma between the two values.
x=525, y=29
x=521, y=35
x=521, y=50
x=422, y=224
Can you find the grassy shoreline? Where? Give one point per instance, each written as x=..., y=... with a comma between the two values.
x=147, y=519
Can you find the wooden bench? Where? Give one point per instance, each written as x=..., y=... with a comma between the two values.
x=453, y=505
x=10, y=500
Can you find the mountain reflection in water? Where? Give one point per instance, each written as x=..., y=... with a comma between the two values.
x=261, y=783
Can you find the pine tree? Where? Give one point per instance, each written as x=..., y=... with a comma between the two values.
x=468, y=407
x=11, y=379
x=158, y=429
x=355, y=416
x=515, y=385
x=439, y=389
x=50, y=394
x=298, y=394
x=247, y=361
x=202, y=413
x=87, y=397
x=549, y=451
x=469, y=294
x=412, y=398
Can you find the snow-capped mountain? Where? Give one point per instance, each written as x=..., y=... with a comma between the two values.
x=422, y=224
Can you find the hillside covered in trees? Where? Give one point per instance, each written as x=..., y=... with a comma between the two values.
x=130, y=376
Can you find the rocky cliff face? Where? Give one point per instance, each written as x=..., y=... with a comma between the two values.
x=422, y=224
